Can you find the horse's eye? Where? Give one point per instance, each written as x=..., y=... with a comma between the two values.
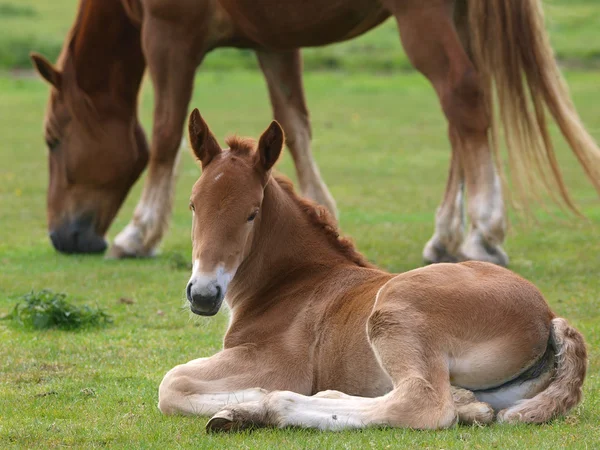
x=252, y=216
x=192, y=207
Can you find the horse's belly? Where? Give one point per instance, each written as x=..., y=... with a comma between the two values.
x=492, y=363
x=292, y=24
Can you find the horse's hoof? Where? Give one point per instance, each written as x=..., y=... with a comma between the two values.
x=434, y=252
x=129, y=243
x=475, y=248
x=117, y=252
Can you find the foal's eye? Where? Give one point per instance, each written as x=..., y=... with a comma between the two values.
x=252, y=216
x=52, y=143
x=192, y=207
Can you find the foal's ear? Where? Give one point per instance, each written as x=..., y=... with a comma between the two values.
x=269, y=147
x=203, y=142
x=45, y=68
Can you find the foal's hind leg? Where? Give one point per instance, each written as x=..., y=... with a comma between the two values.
x=469, y=409
x=283, y=73
x=204, y=386
x=431, y=42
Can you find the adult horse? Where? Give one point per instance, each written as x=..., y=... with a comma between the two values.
x=470, y=50
x=310, y=315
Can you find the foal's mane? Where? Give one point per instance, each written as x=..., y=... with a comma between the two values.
x=321, y=219
x=318, y=215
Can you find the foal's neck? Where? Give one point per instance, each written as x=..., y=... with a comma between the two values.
x=288, y=250
x=105, y=54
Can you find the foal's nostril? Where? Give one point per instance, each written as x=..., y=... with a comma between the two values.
x=218, y=296
x=188, y=291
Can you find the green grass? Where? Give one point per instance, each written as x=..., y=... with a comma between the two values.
x=382, y=147
x=42, y=25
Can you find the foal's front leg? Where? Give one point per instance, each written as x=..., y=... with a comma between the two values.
x=206, y=385
x=333, y=410
x=329, y=410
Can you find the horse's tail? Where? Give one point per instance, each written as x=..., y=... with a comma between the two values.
x=511, y=50
x=564, y=391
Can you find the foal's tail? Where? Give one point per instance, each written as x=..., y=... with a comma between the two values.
x=564, y=391
x=511, y=50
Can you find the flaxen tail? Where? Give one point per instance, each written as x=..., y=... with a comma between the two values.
x=564, y=391
x=511, y=50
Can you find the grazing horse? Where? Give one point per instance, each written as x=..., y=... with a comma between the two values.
x=320, y=338
x=470, y=50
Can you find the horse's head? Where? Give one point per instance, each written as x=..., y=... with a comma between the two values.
x=226, y=208
x=96, y=151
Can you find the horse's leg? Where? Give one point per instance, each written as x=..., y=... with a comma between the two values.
x=449, y=220
x=172, y=61
x=283, y=73
x=206, y=385
x=431, y=41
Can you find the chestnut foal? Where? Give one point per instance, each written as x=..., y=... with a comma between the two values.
x=320, y=338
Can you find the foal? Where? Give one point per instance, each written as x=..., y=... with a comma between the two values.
x=320, y=338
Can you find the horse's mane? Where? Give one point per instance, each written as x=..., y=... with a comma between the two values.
x=78, y=73
x=79, y=103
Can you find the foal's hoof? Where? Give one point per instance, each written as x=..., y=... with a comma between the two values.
x=221, y=422
x=476, y=413
x=225, y=421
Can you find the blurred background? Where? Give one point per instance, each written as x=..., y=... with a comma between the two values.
x=42, y=25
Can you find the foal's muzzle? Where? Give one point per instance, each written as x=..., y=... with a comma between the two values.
x=77, y=236
x=205, y=299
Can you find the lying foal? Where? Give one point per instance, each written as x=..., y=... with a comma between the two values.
x=320, y=338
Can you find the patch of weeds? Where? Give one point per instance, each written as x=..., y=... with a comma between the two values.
x=46, y=309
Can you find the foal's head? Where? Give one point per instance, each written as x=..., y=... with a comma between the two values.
x=226, y=207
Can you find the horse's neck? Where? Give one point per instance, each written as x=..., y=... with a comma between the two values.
x=286, y=247
x=106, y=52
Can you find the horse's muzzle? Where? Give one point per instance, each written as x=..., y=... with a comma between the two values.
x=77, y=236
x=204, y=300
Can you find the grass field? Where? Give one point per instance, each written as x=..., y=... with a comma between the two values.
x=381, y=145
